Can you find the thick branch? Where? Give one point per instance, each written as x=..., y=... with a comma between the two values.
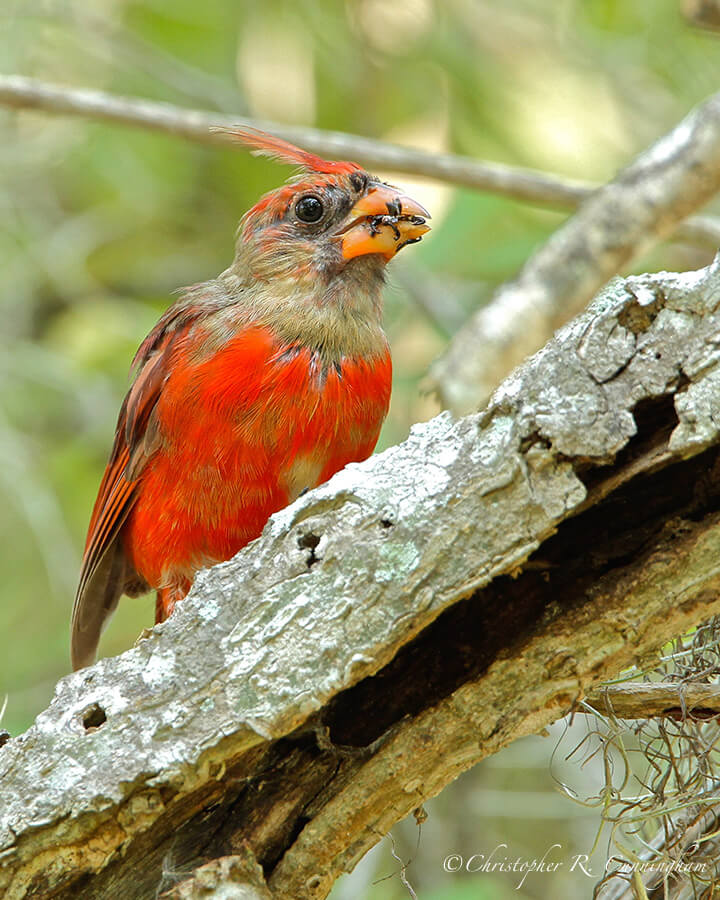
x=528, y=185
x=397, y=624
x=642, y=205
x=485, y=715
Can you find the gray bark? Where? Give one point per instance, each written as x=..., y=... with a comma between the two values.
x=391, y=628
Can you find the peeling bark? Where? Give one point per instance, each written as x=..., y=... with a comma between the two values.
x=394, y=626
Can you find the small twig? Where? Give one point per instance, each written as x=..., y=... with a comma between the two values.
x=403, y=869
x=641, y=206
x=644, y=700
x=682, y=839
x=674, y=815
x=528, y=185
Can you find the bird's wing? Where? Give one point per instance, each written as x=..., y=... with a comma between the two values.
x=106, y=573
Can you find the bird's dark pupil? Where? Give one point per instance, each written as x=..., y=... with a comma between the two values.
x=309, y=209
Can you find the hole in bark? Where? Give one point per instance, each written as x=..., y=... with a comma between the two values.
x=638, y=318
x=655, y=420
x=386, y=523
x=464, y=640
x=461, y=644
x=93, y=717
x=532, y=439
x=4, y=737
x=683, y=383
x=309, y=542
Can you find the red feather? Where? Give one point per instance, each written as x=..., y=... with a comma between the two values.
x=207, y=448
x=226, y=423
x=238, y=425
x=264, y=144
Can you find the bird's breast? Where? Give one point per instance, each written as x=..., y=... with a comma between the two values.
x=242, y=433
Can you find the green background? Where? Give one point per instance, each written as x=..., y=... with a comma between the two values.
x=99, y=224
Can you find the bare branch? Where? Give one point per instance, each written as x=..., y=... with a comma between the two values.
x=527, y=185
x=20, y=92
x=642, y=205
x=299, y=703
x=644, y=700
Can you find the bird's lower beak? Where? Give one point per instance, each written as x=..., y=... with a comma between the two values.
x=383, y=221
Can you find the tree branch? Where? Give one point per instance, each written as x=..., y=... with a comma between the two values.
x=527, y=185
x=642, y=205
x=392, y=627
x=644, y=700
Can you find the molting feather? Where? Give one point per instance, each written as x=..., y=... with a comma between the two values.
x=264, y=144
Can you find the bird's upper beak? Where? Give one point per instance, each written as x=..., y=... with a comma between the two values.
x=382, y=221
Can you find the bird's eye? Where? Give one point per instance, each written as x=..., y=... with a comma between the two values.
x=309, y=208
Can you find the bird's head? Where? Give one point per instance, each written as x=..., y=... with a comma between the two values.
x=331, y=219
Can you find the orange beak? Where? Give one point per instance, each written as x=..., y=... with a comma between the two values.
x=383, y=221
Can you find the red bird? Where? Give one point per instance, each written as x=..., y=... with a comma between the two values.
x=251, y=388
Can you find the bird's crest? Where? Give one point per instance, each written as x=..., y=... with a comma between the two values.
x=264, y=144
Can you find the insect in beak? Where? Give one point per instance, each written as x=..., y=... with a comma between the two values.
x=382, y=221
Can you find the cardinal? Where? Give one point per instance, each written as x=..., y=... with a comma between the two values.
x=252, y=388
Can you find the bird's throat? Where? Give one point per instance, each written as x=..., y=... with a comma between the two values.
x=337, y=318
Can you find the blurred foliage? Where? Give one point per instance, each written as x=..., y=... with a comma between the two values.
x=100, y=224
